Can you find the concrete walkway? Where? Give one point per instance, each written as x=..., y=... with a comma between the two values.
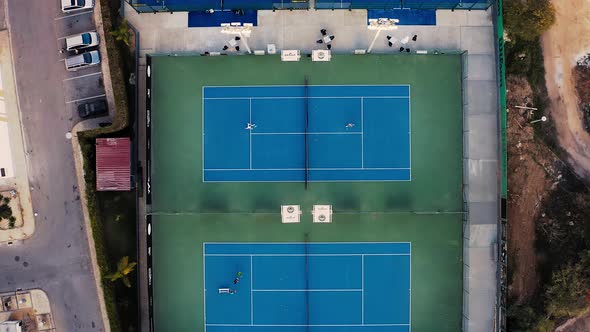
x=472, y=31
x=20, y=181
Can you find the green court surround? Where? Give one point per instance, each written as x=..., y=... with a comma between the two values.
x=426, y=211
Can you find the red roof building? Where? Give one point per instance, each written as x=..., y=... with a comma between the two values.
x=113, y=164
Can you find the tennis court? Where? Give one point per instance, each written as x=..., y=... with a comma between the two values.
x=306, y=133
x=297, y=286
x=384, y=151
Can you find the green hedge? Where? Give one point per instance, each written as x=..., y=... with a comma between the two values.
x=87, y=138
x=88, y=152
x=115, y=61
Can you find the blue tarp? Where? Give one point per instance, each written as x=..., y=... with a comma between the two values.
x=204, y=19
x=406, y=16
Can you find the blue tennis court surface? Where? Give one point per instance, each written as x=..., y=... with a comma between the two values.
x=297, y=287
x=322, y=133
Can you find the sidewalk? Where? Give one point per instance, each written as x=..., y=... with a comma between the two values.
x=20, y=181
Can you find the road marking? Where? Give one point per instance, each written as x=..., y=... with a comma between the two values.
x=82, y=99
x=82, y=76
x=62, y=17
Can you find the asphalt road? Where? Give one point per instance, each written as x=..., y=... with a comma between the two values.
x=56, y=259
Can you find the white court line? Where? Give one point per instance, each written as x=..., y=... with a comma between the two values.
x=204, y=291
x=250, y=121
x=307, y=290
x=73, y=15
x=314, y=133
x=251, y=293
x=307, y=243
x=310, y=325
x=362, y=133
x=299, y=255
x=299, y=85
x=82, y=76
x=82, y=99
x=301, y=169
x=203, y=131
x=363, y=289
x=297, y=97
x=410, y=126
x=299, y=181
x=410, y=305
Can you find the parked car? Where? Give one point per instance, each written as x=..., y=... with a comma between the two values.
x=83, y=60
x=93, y=108
x=82, y=41
x=73, y=5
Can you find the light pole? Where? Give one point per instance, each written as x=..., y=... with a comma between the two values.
x=380, y=25
x=243, y=31
x=542, y=119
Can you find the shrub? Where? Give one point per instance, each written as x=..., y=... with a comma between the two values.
x=5, y=211
x=521, y=318
x=528, y=19
x=11, y=222
x=566, y=294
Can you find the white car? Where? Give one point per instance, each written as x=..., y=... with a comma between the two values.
x=82, y=41
x=83, y=60
x=73, y=5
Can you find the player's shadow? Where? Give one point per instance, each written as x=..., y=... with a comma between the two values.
x=397, y=202
x=214, y=202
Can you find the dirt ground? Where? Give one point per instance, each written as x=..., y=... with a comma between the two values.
x=563, y=46
x=565, y=43
x=530, y=175
x=576, y=325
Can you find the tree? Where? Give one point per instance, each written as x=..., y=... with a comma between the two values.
x=11, y=222
x=5, y=211
x=566, y=294
x=124, y=268
x=528, y=19
x=122, y=33
x=521, y=318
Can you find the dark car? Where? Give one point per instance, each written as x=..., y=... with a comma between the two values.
x=94, y=108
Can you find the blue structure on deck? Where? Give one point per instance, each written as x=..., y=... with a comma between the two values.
x=406, y=16
x=205, y=19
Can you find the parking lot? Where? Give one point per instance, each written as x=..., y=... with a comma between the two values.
x=85, y=84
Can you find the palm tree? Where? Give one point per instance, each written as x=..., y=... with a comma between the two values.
x=123, y=269
x=122, y=32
